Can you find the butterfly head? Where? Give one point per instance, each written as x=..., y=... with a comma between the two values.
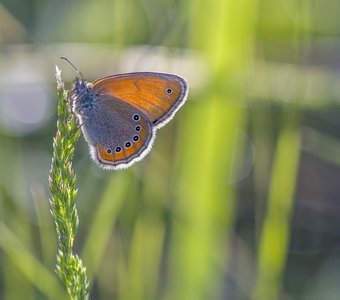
x=79, y=86
x=82, y=94
x=82, y=97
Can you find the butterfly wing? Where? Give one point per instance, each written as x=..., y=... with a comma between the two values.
x=157, y=95
x=118, y=134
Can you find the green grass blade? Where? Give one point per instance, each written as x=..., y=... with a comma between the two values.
x=103, y=222
x=275, y=233
x=28, y=265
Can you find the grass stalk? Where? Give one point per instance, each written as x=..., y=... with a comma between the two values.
x=62, y=181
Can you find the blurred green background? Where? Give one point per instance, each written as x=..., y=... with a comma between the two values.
x=239, y=198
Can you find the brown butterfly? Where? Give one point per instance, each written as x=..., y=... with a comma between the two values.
x=119, y=114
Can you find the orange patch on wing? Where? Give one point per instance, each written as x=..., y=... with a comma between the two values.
x=148, y=93
x=119, y=155
x=142, y=136
x=130, y=151
x=143, y=132
x=103, y=155
x=138, y=144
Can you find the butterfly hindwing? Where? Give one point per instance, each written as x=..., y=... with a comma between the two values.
x=118, y=134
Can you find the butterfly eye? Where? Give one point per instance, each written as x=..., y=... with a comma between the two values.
x=127, y=144
x=118, y=149
x=138, y=128
x=109, y=151
x=169, y=91
x=135, y=138
x=136, y=117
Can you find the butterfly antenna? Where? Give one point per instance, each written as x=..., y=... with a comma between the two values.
x=78, y=71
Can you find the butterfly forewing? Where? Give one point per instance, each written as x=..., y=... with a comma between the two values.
x=158, y=96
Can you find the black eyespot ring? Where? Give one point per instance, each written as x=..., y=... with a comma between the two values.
x=136, y=117
x=109, y=151
x=138, y=128
x=135, y=138
x=127, y=144
x=118, y=149
x=169, y=90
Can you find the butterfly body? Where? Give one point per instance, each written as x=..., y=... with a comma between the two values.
x=119, y=114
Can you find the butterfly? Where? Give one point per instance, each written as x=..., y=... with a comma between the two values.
x=120, y=114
